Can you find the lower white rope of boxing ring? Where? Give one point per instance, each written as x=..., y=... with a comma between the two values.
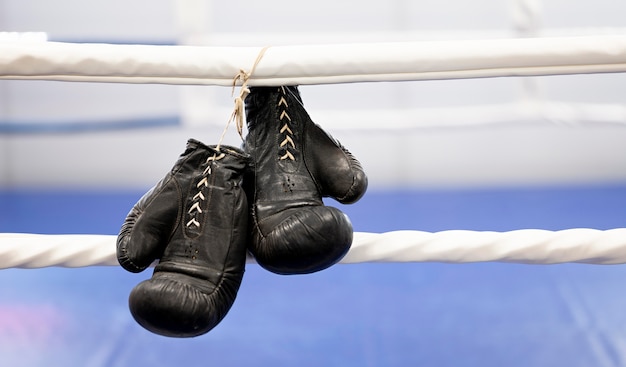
x=525, y=246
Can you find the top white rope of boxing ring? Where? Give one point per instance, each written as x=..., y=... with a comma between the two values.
x=313, y=64
x=328, y=64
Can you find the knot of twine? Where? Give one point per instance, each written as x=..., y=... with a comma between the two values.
x=238, y=111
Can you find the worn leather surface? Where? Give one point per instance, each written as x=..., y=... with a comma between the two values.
x=295, y=164
x=194, y=221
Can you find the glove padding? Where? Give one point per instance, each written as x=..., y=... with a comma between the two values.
x=195, y=222
x=295, y=164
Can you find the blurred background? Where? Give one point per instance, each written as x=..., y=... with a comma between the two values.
x=483, y=154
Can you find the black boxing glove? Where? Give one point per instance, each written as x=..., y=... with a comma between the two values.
x=195, y=222
x=295, y=164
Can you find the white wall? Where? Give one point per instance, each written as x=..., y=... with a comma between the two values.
x=456, y=133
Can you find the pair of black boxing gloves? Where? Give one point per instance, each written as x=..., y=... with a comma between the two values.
x=216, y=205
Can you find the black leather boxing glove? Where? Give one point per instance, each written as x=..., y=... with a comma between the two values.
x=295, y=164
x=195, y=222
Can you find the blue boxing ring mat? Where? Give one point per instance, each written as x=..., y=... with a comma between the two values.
x=370, y=314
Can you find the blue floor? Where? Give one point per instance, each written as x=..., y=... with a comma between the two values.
x=430, y=314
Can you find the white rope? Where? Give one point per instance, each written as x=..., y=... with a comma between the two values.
x=22, y=250
x=527, y=246
x=313, y=64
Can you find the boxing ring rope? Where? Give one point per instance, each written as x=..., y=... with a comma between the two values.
x=526, y=246
x=313, y=64
x=326, y=64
